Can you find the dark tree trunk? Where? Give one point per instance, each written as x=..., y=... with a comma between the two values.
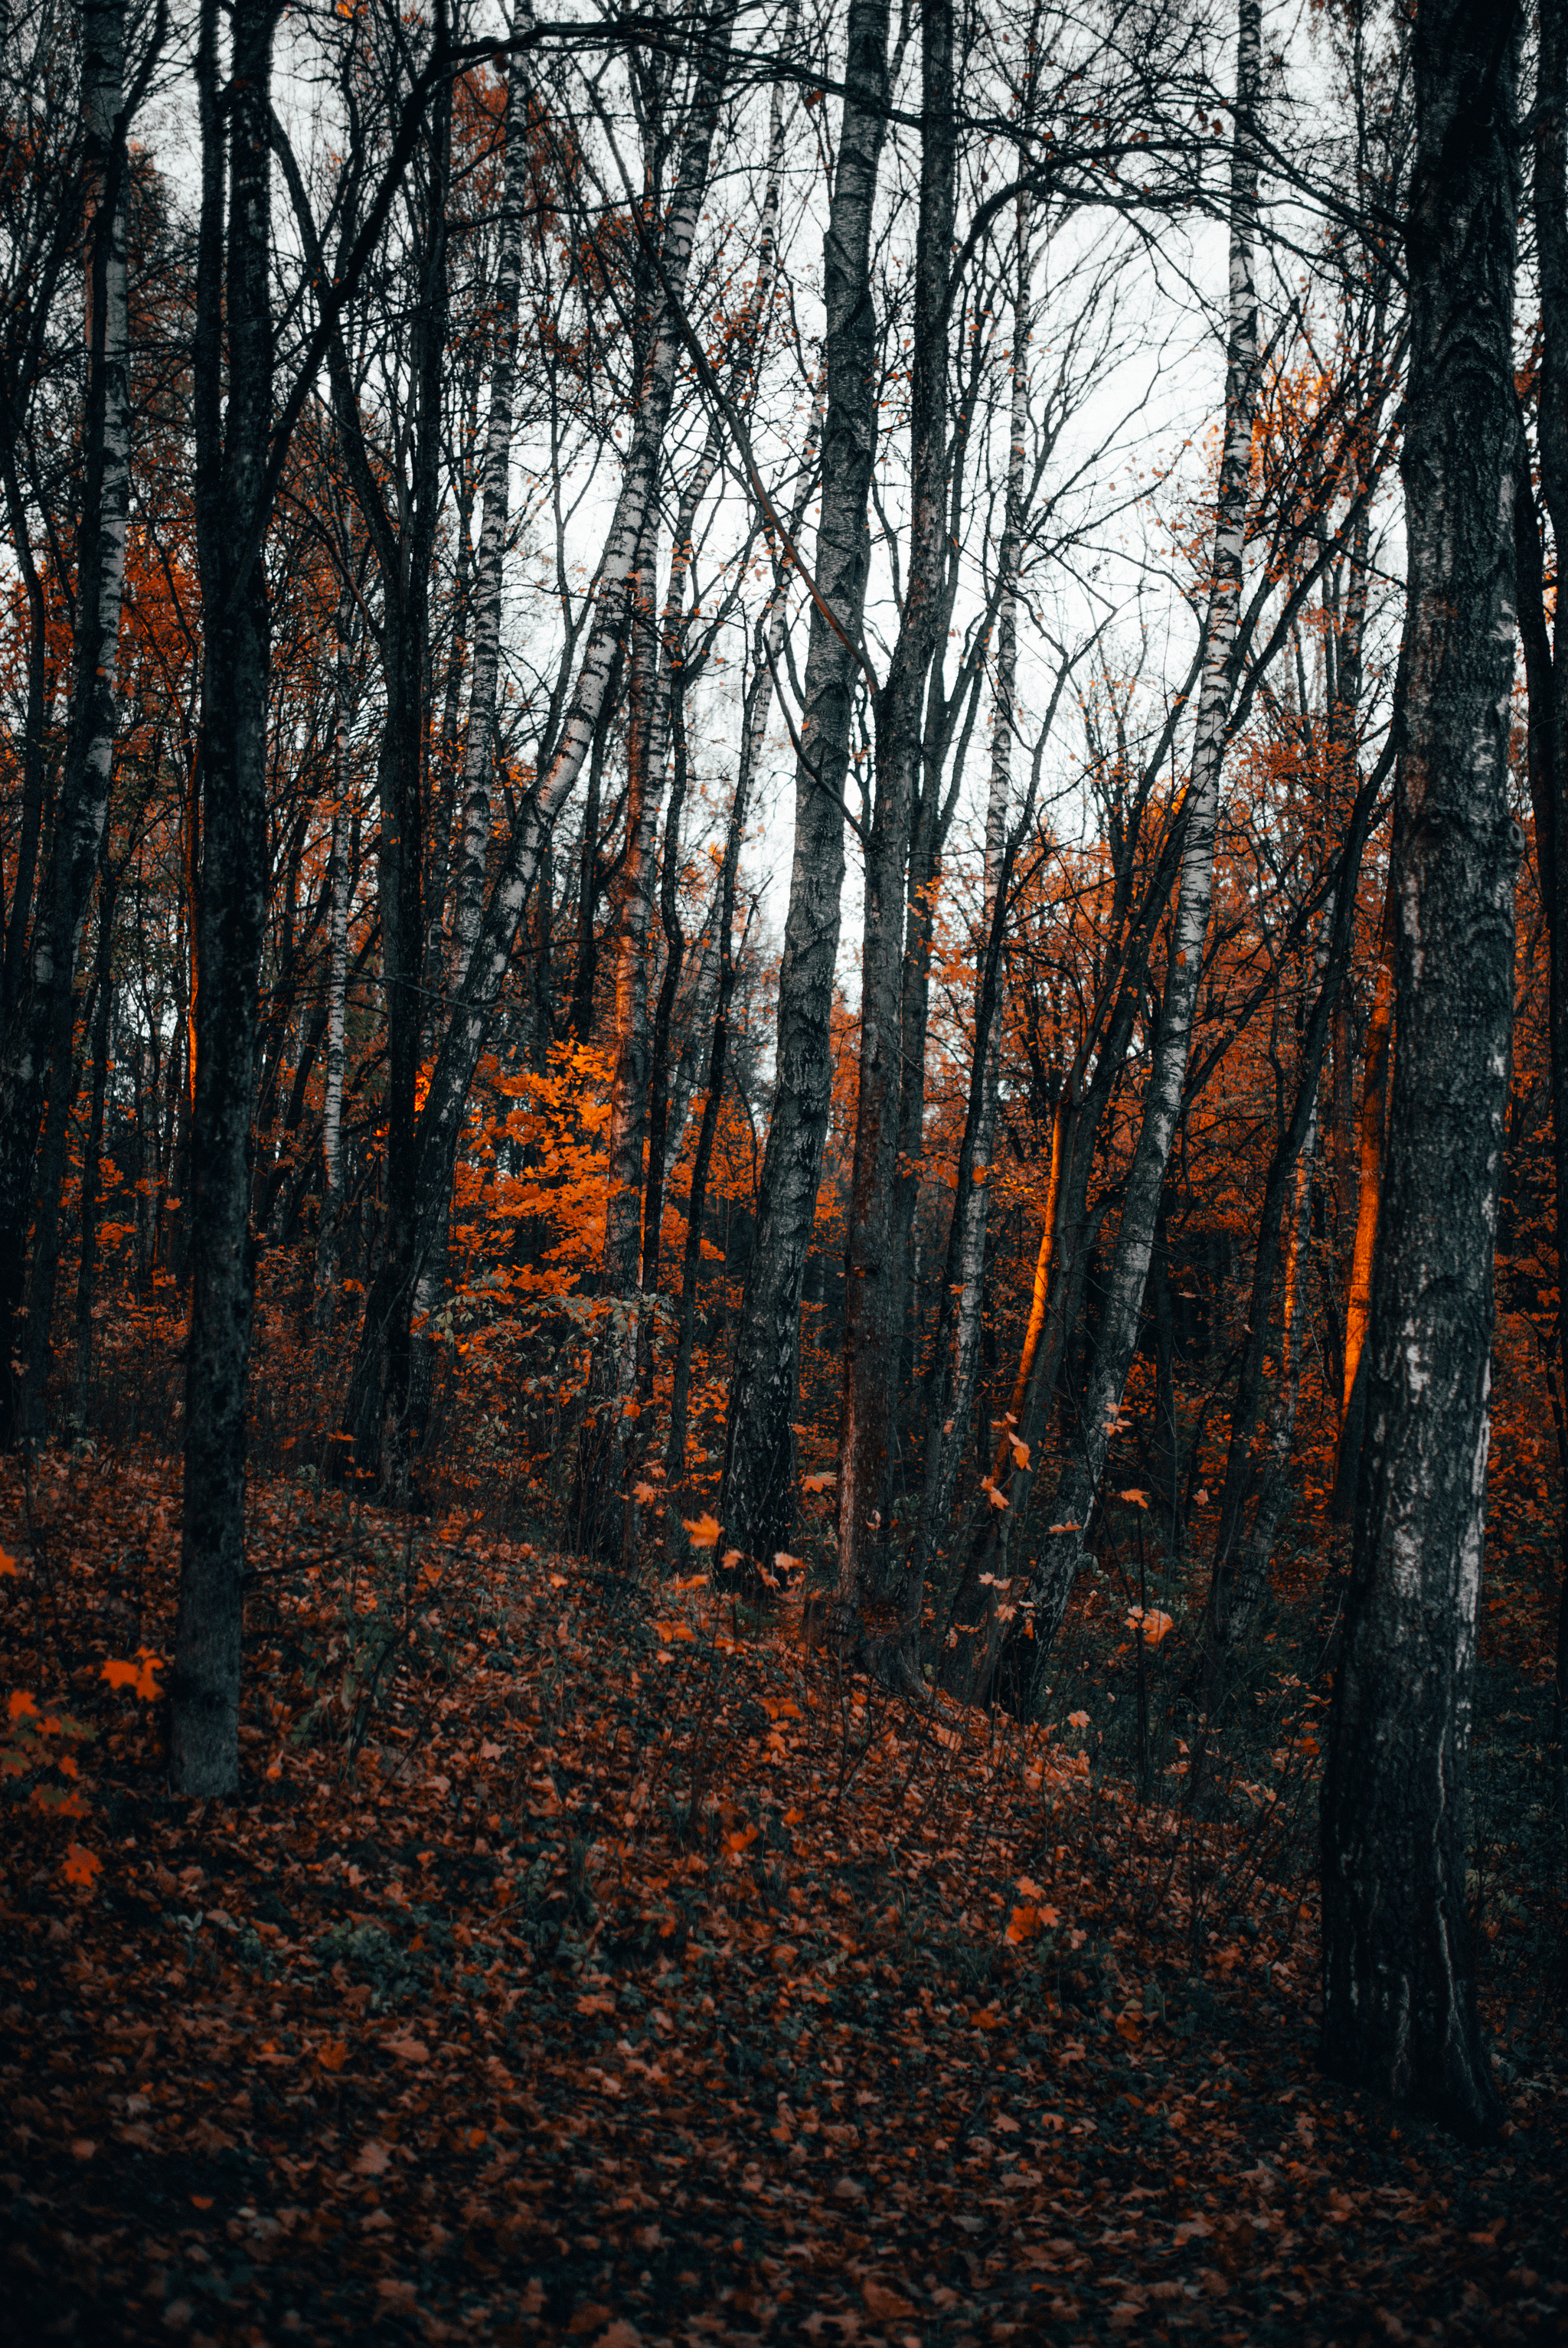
x=103, y=989
x=233, y=351
x=874, y=1288
x=1399, y=2009
x=1547, y=679
x=38, y=1078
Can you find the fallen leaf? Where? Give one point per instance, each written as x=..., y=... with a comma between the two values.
x=885, y=2304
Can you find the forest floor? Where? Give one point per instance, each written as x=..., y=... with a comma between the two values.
x=583, y=1961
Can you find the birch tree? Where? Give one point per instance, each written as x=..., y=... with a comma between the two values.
x=759, y=1453
x=1398, y=1989
x=1063, y=1550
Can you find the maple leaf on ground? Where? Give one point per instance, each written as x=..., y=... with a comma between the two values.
x=138, y=1677
x=8, y=1564
x=1154, y=1624
x=81, y=1866
x=705, y=1530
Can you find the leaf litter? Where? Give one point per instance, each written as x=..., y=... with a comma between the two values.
x=578, y=1961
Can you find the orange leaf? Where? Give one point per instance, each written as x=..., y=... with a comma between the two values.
x=818, y=1483
x=8, y=1564
x=21, y=1702
x=704, y=1532
x=81, y=1866
x=334, y=2054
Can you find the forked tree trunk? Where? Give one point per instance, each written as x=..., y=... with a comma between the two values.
x=873, y=1285
x=1063, y=1550
x=759, y=1454
x=1398, y=1991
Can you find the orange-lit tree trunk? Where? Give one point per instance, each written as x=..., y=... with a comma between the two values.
x=1375, y=1060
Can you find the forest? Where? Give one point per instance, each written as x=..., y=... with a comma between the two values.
x=783, y=1157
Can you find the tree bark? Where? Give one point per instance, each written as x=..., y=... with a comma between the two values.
x=758, y=1455
x=1547, y=677
x=872, y=1268
x=87, y=1217
x=1400, y=2010
x=1368, y=1202
x=950, y=1396
x=1063, y=1550
x=233, y=350
x=339, y=882
x=42, y=1083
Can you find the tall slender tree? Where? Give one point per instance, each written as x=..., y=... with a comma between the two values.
x=1120, y=1324
x=759, y=1453
x=1399, y=2009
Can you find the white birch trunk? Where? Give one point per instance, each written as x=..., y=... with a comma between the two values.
x=495, y=490
x=953, y=1432
x=1064, y=1551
